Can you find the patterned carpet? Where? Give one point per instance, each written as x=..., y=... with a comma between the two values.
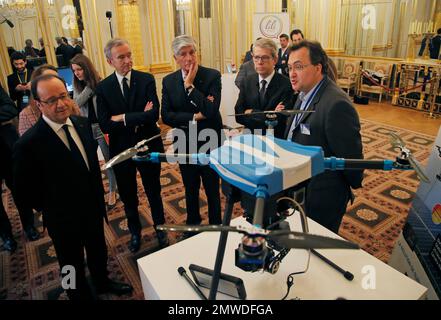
x=374, y=221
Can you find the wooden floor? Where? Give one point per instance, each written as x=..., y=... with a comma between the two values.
x=400, y=117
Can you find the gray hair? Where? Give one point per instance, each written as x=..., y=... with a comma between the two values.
x=181, y=42
x=117, y=42
x=265, y=43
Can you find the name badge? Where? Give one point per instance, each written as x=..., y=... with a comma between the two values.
x=305, y=129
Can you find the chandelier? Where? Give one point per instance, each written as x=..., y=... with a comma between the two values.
x=20, y=4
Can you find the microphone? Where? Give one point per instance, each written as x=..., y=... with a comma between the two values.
x=183, y=273
x=10, y=24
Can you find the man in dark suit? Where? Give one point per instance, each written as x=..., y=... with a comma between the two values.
x=8, y=137
x=263, y=91
x=334, y=126
x=19, y=81
x=191, y=100
x=56, y=169
x=64, y=49
x=283, y=54
x=29, y=49
x=128, y=109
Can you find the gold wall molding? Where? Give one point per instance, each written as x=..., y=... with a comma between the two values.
x=382, y=47
x=129, y=28
x=94, y=36
x=5, y=64
x=160, y=27
x=161, y=68
x=46, y=31
x=334, y=52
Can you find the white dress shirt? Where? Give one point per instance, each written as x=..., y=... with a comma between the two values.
x=120, y=81
x=59, y=131
x=267, y=79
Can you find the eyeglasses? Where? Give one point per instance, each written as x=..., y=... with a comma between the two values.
x=262, y=58
x=54, y=101
x=298, y=66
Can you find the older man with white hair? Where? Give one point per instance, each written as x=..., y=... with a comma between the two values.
x=191, y=99
x=128, y=109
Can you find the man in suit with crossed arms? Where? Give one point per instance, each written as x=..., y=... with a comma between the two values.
x=334, y=126
x=191, y=100
x=264, y=90
x=128, y=109
x=56, y=170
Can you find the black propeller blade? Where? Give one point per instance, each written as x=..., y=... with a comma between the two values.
x=299, y=240
x=285, y=238
x=283, y=112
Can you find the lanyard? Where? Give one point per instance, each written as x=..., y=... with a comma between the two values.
x=25, y=77
x=298, y=117
x=308, y=102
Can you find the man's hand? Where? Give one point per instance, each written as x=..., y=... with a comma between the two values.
x=279, y=108
x=20, y=87
x=118, y=118
x=191, y=75
x=210, y=98
x=28, y=86
x=148, y=106
x=199, y=116
x=248, y=111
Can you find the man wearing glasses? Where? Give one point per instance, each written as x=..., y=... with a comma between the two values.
x=334, y=126
x=264, y=91
x=56, y=170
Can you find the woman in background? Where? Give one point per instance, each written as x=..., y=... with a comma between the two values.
x=85, y=81
x=30, y=115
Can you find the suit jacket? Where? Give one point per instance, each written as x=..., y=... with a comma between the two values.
x=335, y=127
x=178, y=108
x=13, y=82
x=8, y=110
x=47, y=178
x=67, y=51
x=245, y=70
x=282, y=63
x=279, y=90
x=139, y=125
x=8, y=133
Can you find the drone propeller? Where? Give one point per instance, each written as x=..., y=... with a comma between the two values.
x=129, y=153
x=397, y=142
x=286, y=238
x=283, y=112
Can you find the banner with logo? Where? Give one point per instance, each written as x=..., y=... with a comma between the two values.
x=270, y=25
x=418, y=251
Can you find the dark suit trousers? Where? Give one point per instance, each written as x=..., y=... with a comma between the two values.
x=326, y=202
x=128, y=190
x=69, y=245
x=26, y=214
x=191, y=176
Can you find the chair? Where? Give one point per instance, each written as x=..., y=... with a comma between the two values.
x=348, y=78
x=380, y=74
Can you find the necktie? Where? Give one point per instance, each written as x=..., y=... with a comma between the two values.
x=78, y=157
x=126, y=89
x=262, y=93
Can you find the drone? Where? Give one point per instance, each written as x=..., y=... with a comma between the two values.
x=264, y=166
